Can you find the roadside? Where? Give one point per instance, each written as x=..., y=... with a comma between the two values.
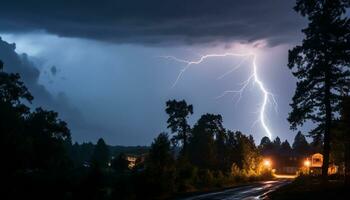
x=312, y=188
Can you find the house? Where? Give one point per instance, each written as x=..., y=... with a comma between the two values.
x=293, y=164
x=316, y=160
x=131, y=161
x=134, y=160
x=314, y=165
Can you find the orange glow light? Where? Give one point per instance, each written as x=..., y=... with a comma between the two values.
x=307, y=163
x=267, y=163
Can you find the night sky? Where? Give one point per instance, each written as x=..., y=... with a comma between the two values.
x=99, y=63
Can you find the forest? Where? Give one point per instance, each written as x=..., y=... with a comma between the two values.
x=43, y=162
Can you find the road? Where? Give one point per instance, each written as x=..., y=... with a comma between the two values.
x=254, y=191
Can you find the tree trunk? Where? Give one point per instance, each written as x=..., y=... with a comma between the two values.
x=347, y=161
x=327, y=133
x=346, y=122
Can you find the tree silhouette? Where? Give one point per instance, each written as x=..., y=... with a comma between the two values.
x=321, y=65
x=285, y=148
x=342, y=137
x=300, y=145
x=221, y=150
x=120, y=164
x=345, y=123
x=33, y=144
x=203, y=151
x=160, y=153
x=277, y=144
x=266, y=146
x=48, y=134
x=265, y=141
x=178, y=112
x=100, y=156
x=160, y=165
x=12, y=90
x=36, y=138
x=13, y=94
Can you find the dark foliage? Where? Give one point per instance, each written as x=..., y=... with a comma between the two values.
x=321, y=65
x=42, y=163
x=178, y=112
x=202, y=151
x=120, y=164
x=101, y=155
x=33, y=143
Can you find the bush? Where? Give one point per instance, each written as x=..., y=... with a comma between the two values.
x=186, y=177
x=205, y=178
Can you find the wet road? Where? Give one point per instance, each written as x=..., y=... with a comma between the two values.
x=254, y=191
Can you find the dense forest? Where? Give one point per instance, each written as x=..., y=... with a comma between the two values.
x=42, y=162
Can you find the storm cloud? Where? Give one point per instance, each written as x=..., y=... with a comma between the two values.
x=30, y=73
x=106, y=57
x=156, y=22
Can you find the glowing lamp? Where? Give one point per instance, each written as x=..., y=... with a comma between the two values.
x=307, y=163
x=267, y=163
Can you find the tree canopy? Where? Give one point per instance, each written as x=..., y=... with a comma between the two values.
x=321, y=64
x=36, y=138
x=101, y=154
x=178, y=112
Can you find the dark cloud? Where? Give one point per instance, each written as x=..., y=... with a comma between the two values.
x=20, y=63
x=156, y=21
x=53, y=70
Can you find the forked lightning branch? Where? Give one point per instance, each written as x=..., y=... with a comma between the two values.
x=253, y=77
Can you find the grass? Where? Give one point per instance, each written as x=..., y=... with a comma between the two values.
x=312, y=188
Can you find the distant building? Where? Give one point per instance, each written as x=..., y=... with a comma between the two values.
x=317, y=162
x=135, y=160
x=312, y=164
x=131, y=161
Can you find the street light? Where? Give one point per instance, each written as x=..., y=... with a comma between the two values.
x=267, y=163
x=307, y=164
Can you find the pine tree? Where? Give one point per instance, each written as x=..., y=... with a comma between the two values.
x=321, y=65
x=300, y=145
x=344, y=127
x=100, y=156
x=285, y=149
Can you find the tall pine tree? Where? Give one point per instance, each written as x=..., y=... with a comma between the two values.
x=321, y=65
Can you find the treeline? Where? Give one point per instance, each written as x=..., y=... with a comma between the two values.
x=210, y=156
x=82, y=154
x=285, y=155
x=41, y=162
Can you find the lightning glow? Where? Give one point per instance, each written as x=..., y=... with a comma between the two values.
x=267, y=96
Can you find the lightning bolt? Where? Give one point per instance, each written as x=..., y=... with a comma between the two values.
x=267, y=96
